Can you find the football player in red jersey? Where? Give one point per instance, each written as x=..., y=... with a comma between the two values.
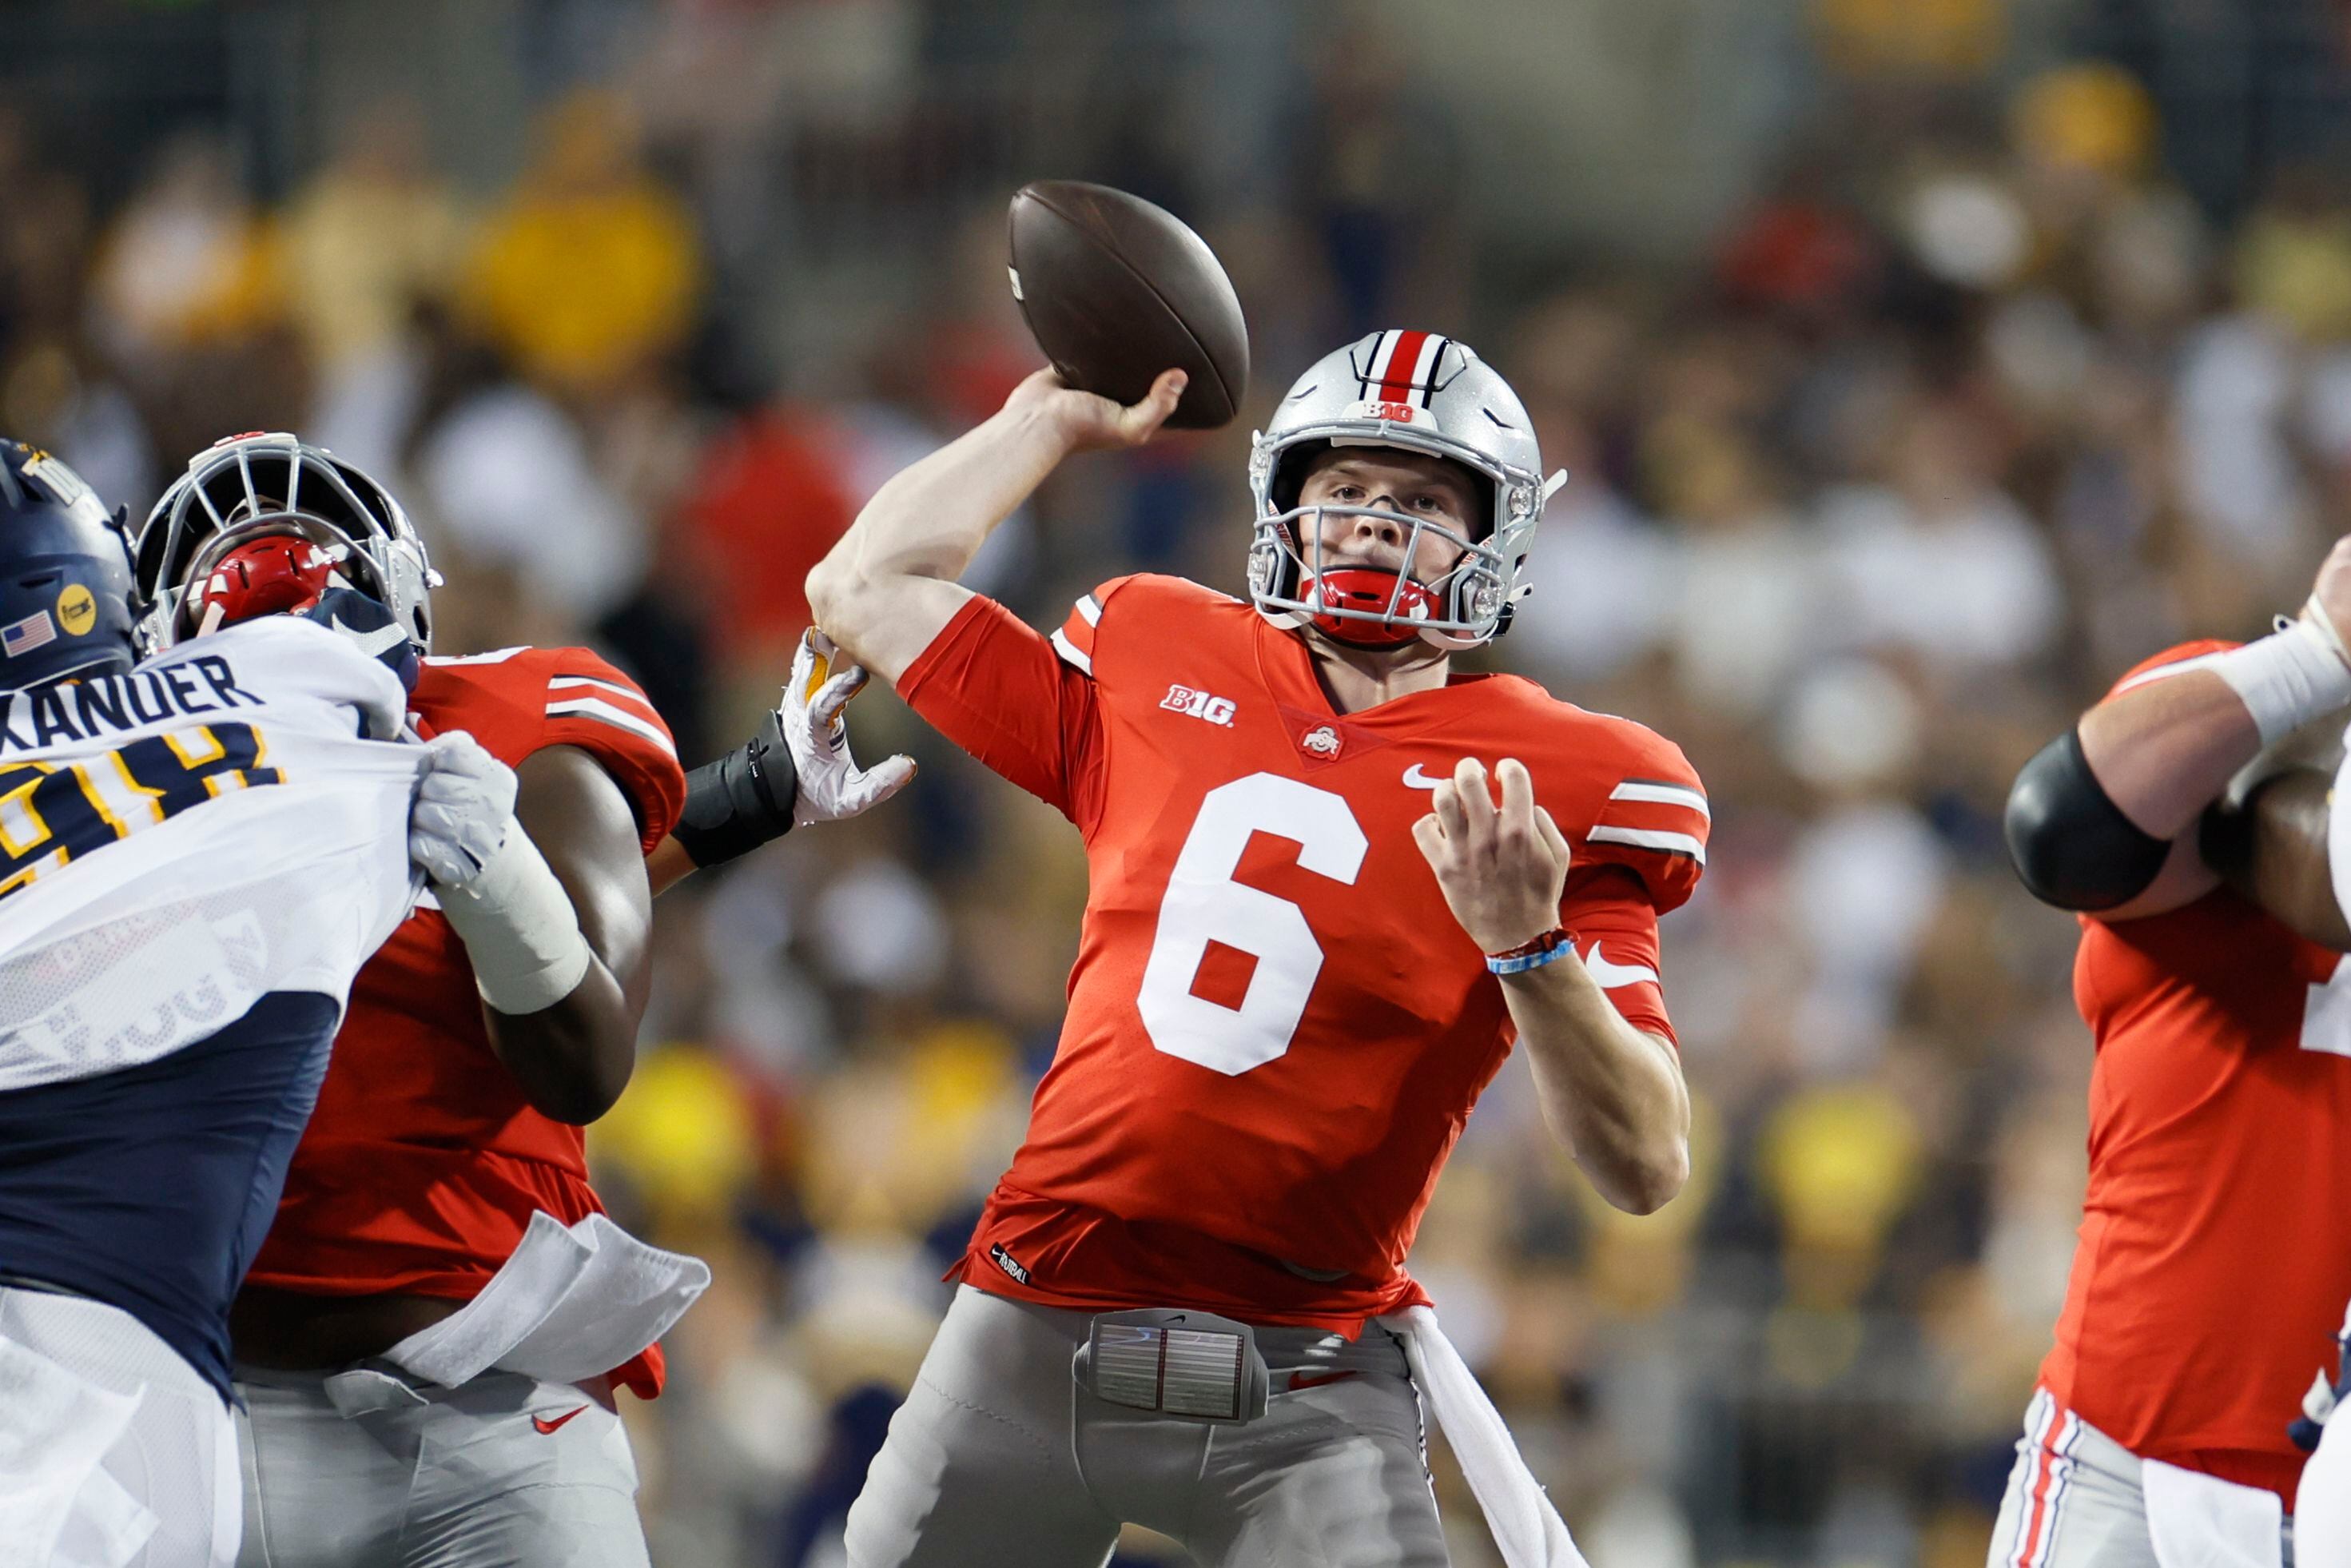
x=2210, y=973
x=1313, y=933
x=398, y=1409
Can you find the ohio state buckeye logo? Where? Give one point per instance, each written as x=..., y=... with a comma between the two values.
x=1323, y=741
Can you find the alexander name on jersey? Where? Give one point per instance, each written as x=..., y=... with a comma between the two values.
x=88, y=710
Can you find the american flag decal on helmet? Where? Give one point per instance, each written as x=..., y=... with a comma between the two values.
x=1402, y=367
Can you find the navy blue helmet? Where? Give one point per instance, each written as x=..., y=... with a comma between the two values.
x=64, y=575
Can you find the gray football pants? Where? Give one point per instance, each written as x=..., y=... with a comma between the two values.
x=998, y=1460
x=370, y=1468
x=2075, y=1500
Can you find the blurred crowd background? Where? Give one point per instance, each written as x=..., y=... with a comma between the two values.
x=1920, y=365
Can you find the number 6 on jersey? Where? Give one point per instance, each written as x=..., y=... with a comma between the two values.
x=1204, y=904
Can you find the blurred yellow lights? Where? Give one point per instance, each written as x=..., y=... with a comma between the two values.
x=2095, y=117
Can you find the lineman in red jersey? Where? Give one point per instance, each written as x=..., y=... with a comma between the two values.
x=387, y=1421
x=1310, y=940
x=2210, y=975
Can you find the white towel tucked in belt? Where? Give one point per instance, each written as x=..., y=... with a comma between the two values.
x=2196, y=1521
x=573, y=1302
x=1525, y=1525
x=55, y=1426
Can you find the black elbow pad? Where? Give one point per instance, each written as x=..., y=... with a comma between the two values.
x=740, y=801
x=2070, y=843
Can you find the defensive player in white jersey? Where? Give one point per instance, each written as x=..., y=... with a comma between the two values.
x=196, y=855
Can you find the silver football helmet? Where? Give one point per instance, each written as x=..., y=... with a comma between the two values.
x=251, y=486
x=1416, y=391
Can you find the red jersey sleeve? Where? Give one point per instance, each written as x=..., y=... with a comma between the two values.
x=2173, y=661
x=1023, y=703
x=589, y=704
x=1608, y=910
x=1652, y=821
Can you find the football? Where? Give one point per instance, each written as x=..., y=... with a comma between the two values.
x=1116, y=291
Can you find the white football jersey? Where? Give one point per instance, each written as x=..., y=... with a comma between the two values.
x=176, y=843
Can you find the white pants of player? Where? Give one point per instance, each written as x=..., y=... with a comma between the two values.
x=369, y=1466
x=998, y=1460
x=177, y=1458
x=2322, y=1507
x=2077, y=1499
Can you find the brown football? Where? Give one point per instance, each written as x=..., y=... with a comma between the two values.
x=1116, y=291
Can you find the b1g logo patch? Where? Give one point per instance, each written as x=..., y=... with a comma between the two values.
x=1200, y=705
x=77, y=610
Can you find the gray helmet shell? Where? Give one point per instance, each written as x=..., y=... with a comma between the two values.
x=247, y=487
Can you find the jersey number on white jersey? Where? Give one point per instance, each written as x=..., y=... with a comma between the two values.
x=1203, y=905
x=50, y=813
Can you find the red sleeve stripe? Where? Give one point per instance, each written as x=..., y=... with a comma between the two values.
x=631, y=693
x=1071, y=652
x=605, y=713
x=1651, y=838
x=1661, y=794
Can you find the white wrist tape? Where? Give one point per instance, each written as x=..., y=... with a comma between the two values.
x=519, y=928
x=2287, y=678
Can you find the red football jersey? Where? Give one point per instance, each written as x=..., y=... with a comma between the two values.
x=1276, y=1028
x=422, y=1162
x=2209, y=1278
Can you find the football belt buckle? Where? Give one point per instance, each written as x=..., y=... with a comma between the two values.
x=1195, y=1366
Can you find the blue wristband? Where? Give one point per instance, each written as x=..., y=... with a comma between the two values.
x=1549, y=947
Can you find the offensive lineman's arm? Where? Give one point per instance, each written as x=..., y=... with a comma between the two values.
x=2104, y=819
x=1612, y=1093
x=888, y=588
x=574, y=1058
x=2273, y=849
x=556, y=937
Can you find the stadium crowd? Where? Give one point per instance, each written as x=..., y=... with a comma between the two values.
x=1934, y=439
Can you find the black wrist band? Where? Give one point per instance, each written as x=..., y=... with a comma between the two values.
x=740, y=801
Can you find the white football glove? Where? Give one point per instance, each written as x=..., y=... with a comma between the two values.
x=833, y=788
x=462, y=807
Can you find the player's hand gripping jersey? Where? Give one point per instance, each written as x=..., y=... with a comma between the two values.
x=424, y=1162
x=2201, y=1301
x=1276, y=1028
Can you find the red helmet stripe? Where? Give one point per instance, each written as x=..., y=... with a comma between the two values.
x=1396, y=381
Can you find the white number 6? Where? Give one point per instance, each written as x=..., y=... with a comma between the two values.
x=1204, y=904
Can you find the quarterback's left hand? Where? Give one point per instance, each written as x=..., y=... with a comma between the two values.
x=832, y=786
x=1503, y=871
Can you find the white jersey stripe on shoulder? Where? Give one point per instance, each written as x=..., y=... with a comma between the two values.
x=1661, y=794
x=631, y=693
x=1089, y=609
x=604, y=712
x=2177, y=667
x=1070, y=652
x=495, y=656
x=1650, y=839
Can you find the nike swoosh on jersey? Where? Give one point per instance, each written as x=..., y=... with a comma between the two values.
x=546, y=1426
x=383, y=640
x=1610, y=977
x=1413, y=778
